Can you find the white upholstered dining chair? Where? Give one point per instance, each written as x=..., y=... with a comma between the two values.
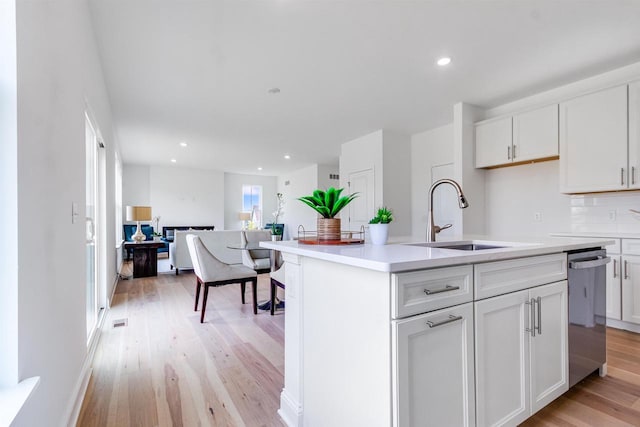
x=257, y=259
x=210, y=271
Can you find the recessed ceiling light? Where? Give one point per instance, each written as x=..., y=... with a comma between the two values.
x=183, y=144
x=259, y=168
x=173, y=160
x=273, y=90
x=286, y=156
x=445, y=60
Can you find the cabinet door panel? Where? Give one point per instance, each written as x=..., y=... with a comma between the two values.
x=433, y=377
x=614, y=291
x=493, y=142
x=634, y=134
x=535, y=134
x=631, y=288
x=549, y=348
x=502, y=359
x=593, y=142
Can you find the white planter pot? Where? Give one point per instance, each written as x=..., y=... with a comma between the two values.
x=379, y=233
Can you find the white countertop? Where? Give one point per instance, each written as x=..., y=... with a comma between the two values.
x=403, y=257
x=604, y=234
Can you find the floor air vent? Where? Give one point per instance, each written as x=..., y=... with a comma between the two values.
x=120, y=322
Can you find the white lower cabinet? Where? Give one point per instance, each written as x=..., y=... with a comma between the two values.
x=631, y=288
x=434, y=372
x=614, y=291
x=521, y=353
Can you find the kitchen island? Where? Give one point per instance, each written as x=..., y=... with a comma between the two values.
x=409, y=334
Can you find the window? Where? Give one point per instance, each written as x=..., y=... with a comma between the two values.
x=252, y=202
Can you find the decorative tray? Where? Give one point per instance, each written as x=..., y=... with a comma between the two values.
x=346, y=237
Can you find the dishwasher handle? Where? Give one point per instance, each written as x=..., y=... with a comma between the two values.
x=578, y=265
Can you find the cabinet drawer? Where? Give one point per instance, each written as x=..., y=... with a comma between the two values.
x=615, y=247
x=495, y=278
x=426, y=290
x=630, y=246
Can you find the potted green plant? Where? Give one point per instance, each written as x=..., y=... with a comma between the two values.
x=276, y=232
x=379, y=226
x=328, y=204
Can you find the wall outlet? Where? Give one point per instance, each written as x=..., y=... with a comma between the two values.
x=612, y=215
x=537, y=216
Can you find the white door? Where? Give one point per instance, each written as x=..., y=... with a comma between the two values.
x=634, y=135
x=593, y=142
x=614, y=292
x=502, y=359
x=549, y=347
x=445, y=202
x=433, y=369
x=362, y=208
x=493, y=142
x=631, y=288
x=535, y=134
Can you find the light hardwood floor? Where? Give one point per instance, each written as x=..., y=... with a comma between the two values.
x=165, y=368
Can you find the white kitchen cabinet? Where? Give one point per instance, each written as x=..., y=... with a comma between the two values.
x=535, y=134
x=614, y=288
x=593, y=142
x=631, y=288
x=433, y=375
x=634, y=134
x=494, y=142
x=518, y=371
x=527, y=136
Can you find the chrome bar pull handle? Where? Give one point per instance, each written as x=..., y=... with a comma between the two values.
x=626, y=269
x=633, y=175
x=509, y=152
x=615, y=267
x=539, y=302
x=621, y=176
x=514, y=152
x=450, y=319
x=532, y=317
x=447, y=288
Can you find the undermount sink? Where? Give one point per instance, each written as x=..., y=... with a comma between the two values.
x=471, y=247
x=468, y=245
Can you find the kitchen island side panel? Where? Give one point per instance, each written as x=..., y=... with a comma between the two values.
x=347, y=345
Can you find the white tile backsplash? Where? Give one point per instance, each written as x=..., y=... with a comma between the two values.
x=592, y=212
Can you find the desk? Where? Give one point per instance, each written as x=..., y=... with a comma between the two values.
x=145, y=257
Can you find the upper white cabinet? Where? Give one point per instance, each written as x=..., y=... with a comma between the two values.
x=527, y=136
x=535, y=134
x=493, y=142
x=593, y=143
x=634, y=134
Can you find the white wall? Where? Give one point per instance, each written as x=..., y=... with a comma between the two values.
x=361, y=154
x=59, y=75
x=428, y=149
x=293, y=185
x=396, y=182
x=233, y=197
x=180, y=196
x=514, y=194
x=9, y=192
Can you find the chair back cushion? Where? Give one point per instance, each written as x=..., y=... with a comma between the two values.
x=209, y=268
x=255, y=237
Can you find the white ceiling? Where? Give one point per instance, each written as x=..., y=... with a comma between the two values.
x=200, y=71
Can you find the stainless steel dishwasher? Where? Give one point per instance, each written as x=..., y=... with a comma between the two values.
x=587, y=313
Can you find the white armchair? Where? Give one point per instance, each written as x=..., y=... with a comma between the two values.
x=257, y=259
x=210, y=271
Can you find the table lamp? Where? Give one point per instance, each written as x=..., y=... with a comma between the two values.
x=138, y=213
x=244, y=217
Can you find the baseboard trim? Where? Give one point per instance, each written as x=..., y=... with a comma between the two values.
x=80, y=390
x=290, y=411
x=619, y=324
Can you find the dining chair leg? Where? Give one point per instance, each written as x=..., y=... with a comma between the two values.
x=198, y=285
x=254, y=291
x=204, y=302
x=243, y=287
x=273, y=296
